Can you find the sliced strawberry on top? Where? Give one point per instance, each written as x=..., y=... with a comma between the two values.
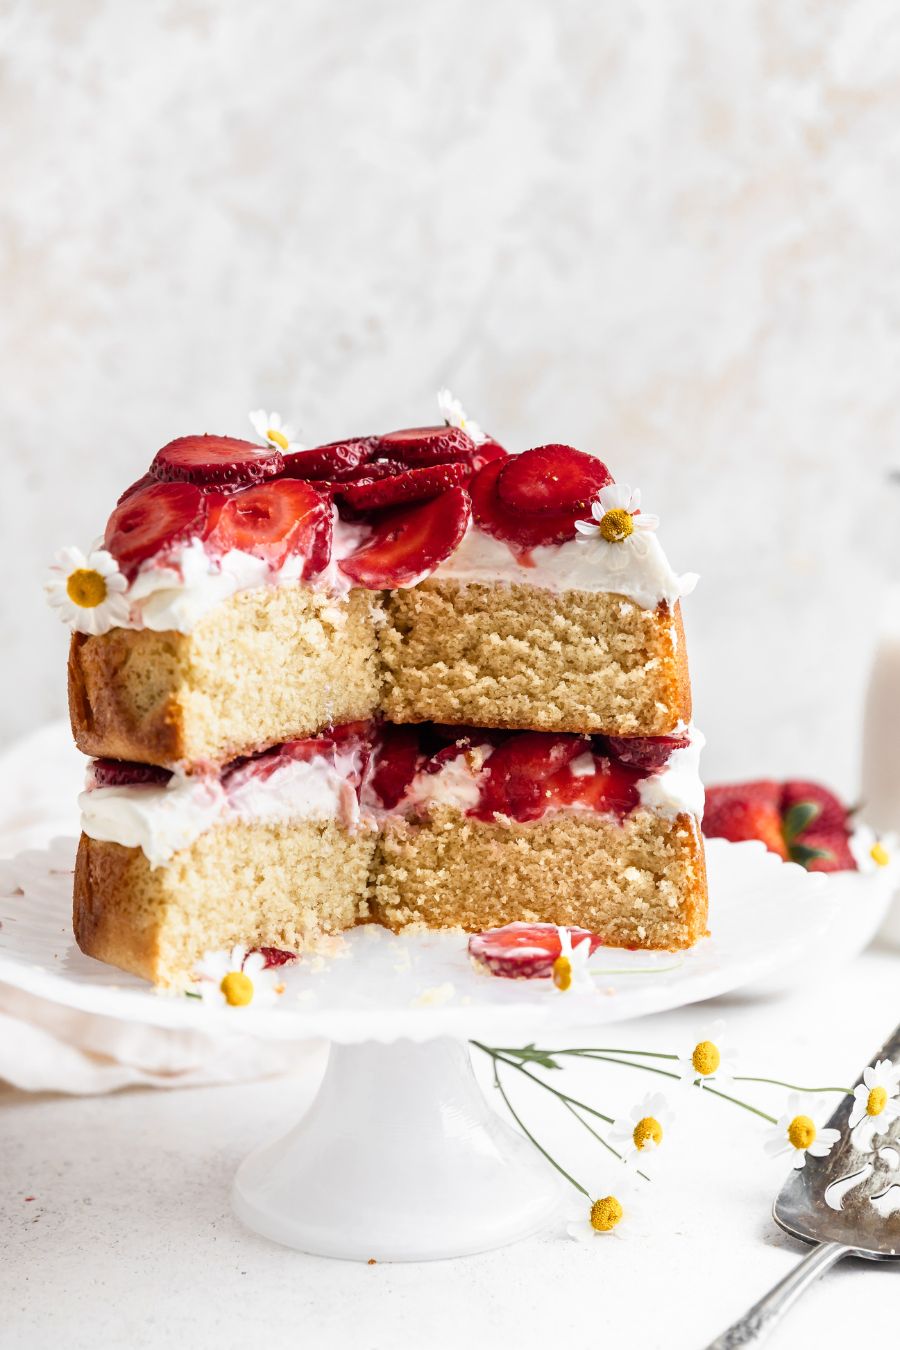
x=525, y=951
x=426, y=445
x=154, y=518
x=486, y=451
x=408, y=542
x=336, y=460
x=645, y=752
x=521, y=528
x=222, y=461
x=410, y=485
x=136, y=486
x=826, y=811
x=517, y=773
x=552, y=478
x=274, y=520
x=122, y=773
x=746, y=811
x=396, y=760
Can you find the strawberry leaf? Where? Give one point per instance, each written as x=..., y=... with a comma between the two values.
x=799, y=818
x=802, y=854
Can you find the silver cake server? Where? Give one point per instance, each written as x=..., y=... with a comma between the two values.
x=847, y=1204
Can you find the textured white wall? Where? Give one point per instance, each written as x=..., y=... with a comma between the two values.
x=664, y=231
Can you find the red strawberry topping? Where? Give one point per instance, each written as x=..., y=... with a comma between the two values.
x=154, y=518
x=517, y=773
x=273, y=520
x=337, y=460
x=426, y=445
x=122, y=773
x=515, y=526
x=137, y=486
x=486, y=451
x=746, y=811
x=525, y=951
x=645, y=752
x=552, y=478
x=409, y=542
x=218, y=460
x=413, y=485
x=275, y=956
x=395, y=763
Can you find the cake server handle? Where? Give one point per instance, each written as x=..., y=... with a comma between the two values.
x=754, y=1327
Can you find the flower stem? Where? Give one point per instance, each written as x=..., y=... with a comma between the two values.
x=563, y=1096
x=776, y=1082
x=525, y=1130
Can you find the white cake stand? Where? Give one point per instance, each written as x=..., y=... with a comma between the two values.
x=400, y=1157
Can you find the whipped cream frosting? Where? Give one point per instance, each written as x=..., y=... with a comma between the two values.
x=163, y=819
x=637, y=567
x=677, y=787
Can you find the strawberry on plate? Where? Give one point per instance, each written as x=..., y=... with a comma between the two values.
x=154, y=518
x=525, y=951
x=274, y=520
x=824, y=851
x=216, y=461
x=746, y=811
x=824, y=811
x=408, y=542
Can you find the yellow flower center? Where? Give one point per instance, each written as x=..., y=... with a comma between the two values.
x=280, y=440
x=616, y=525
x=237, y=988
x=562, y=973
x=801, y=1132
x=646, y=1130
x=880, y=854
x=877, y=1101
x=706, y=1058
x=86, y=588
x=605, y=1214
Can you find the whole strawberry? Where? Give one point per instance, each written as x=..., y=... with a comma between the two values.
x=742, y=811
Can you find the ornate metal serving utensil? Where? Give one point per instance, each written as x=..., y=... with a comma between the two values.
x=846, y=1204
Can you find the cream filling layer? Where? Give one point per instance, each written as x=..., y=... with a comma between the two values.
x=162, y=820
x=637, y=567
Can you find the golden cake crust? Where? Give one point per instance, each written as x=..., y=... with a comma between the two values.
x=264, y=666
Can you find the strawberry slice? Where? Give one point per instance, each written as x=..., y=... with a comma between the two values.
x=487, y=451
x=552, y=478
x=410, y=485
x=517, y=772
x=524, y=529
x=337, y=460
x=154, y=518
x=426, y=445
x=275, y=956
x=525, y=951
x=274, y=520
x=137, y=486
x=122, y=773
x=610, y=790
x=746, y=811
x=645, y=752
x=396, y=760
x=220, y=460
x=408, y=542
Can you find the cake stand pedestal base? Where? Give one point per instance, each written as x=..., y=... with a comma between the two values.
x=399, y=1158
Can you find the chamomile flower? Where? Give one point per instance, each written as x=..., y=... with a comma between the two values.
x=236, y=979
x=454, y=414
x=643, y=1129
x=88, y=591
x=270, y=428
x=570, y=969
x=871, y=853
x=709, y=1062
x=796, y=1132
x=620, y=1210
x=876, y=1103
x=617, y=521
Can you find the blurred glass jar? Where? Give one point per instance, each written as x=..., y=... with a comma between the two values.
x=881, y=733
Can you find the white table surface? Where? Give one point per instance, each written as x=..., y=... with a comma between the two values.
x=129, y=1239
